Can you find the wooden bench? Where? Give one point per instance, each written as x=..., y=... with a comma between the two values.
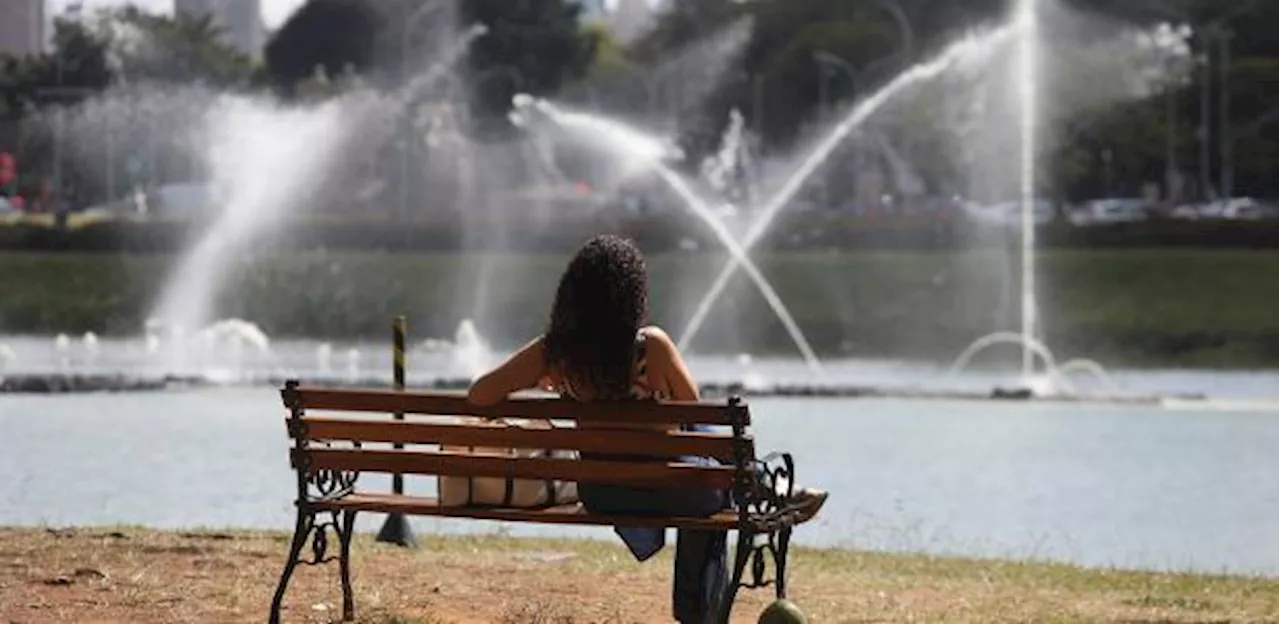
x=331, y=450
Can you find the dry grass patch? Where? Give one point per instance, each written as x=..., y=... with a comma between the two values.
x=143, y=575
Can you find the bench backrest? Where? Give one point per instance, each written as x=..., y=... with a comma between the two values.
x=615, y=456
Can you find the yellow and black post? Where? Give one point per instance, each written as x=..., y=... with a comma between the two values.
x=395, y=529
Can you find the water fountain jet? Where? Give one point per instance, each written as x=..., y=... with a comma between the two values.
x=7, y=355
x=968, y=50
x=651, y=153
x=267, y=156
x=1027, y=26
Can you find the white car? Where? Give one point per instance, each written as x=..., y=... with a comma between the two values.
x=1188, y=212
x=183, y=198
x=1010, y=212
x=1111, y=210
x=1245, y=208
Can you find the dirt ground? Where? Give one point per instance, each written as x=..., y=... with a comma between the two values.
x=129, y=574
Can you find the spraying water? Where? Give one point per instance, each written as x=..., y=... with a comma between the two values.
x=967, y=50
x=699, y=208
x=7, y=355
x=265, y=158
x=644, y=150
x=1028, y=42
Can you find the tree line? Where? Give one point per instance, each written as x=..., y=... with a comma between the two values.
x=792, y=61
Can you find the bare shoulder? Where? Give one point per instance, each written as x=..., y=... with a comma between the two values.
x=656, y=337
x=659, y=345
x=667, y=369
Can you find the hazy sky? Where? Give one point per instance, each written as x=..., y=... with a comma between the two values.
x=273, y=11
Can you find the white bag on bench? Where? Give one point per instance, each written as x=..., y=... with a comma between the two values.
x=506, y=492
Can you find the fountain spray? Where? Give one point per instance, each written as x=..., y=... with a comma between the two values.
x=1028, y=57
x=968, y=49
x=649, y=152
x=267, y=156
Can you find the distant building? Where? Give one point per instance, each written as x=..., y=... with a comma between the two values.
x=593, y=11
x=240, y=21
x=630, y=18
x=22, y=27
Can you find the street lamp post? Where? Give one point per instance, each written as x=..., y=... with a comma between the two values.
x=1107, y=156
x=907, y=36
x=1208, y=31
x=1224, y=113
x=757, y=94
x=906, y=46
x=1170, y=51
x=654, y=84
x=59, y=123
x=825, y=59
x=1206, y=80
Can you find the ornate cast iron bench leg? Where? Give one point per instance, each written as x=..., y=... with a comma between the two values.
x=780, y=562
x=306, y=530
x=300, y=532
x=766, y=502
x=740, y=557
x=344, y=565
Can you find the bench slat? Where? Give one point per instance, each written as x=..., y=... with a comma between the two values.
x=562, y=514
x=461, y=464
x=456, y=404
x=673, y=444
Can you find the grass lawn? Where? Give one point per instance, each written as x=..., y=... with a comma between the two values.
x=126, y=574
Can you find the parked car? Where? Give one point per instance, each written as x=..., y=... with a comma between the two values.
x=183, y=199
x=1111, y=210
x=1243, y=208
x=1188, y=212
x=1009, y=212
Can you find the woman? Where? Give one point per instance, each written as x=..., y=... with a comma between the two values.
x=598, y=347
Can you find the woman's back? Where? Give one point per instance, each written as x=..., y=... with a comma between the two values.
x=644, y=385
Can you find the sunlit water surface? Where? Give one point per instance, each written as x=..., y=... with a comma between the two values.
x=1124, y=485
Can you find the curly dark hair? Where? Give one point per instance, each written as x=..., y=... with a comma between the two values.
x=602, y=301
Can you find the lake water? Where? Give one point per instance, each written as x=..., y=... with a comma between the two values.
x=1133, y=486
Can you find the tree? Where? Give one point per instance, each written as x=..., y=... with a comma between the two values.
x=683, y=25
x=330, y=34
x=79, y=60
x=533, y=46
x=174, y=49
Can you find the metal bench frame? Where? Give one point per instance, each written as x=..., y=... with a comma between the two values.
x=765, y=511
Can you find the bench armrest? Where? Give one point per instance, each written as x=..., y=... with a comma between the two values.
x=764, y=497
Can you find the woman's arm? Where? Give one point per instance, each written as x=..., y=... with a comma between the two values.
x=665, y=361
x=525, y=369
